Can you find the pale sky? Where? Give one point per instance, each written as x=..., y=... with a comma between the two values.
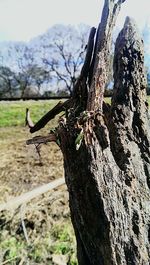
x=22, y=20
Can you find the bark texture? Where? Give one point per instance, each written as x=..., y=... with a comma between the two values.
x=109, y=179
x=106, y=150
x=100, y=63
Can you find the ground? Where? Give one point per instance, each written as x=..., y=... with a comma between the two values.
x=50, y=238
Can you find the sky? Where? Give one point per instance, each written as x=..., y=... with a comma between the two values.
x=22, y=20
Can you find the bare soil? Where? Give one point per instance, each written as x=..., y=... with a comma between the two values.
x=21, y=170
x=20, y=166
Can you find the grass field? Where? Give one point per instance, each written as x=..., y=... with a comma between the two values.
x=13, y=113
x=47, y=217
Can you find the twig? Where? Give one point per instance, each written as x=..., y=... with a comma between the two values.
x=28, y=121
x=42, y=139
x=22, y=208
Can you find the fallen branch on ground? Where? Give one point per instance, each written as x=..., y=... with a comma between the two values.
x=17, y=201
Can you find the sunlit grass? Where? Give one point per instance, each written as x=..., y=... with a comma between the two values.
x=13, y=113
x=108, y=100
x=59, y=241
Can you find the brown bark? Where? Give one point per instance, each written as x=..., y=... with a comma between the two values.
x=106, y=152
x=100, y=64
x=109, y=180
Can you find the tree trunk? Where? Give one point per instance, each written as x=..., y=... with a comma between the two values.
x=107, y=156
x=106, y=149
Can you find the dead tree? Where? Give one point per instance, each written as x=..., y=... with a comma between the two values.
x=106, y=150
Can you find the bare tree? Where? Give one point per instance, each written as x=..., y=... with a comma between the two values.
x=63, y=54
x=8, y=84
x=24, y=60
x=39, y=76
x=27, y=76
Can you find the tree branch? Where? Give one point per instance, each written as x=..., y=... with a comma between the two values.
x=61, y=106
x=78, y=91
x=28, y=121
x=100, y=62
x=90, y=45
x=42, y=139
x=61, y=49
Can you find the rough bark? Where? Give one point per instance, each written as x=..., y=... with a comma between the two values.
x=106, y=152
x=101, y=58
x=109, y=179
x=129, y=134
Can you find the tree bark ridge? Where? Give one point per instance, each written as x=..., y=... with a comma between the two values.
x=100, y=64
x=111, y=180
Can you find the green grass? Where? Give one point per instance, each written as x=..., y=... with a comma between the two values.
x=63, y=242
x=59, y=241
x=108, y=100
x=13, y=113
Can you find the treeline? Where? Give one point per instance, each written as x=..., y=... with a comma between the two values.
x=48, y=65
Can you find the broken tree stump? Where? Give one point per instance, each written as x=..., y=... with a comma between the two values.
x=106, y=152
x=109, y=179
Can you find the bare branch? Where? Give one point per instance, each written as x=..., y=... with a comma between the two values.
x=61, y=49
x=42, y=139
x=90, y=45
x=28, y=121
x=22, y=213
x=81, y=86
x=26, y=197
x=53, y=68
x=61, y=106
